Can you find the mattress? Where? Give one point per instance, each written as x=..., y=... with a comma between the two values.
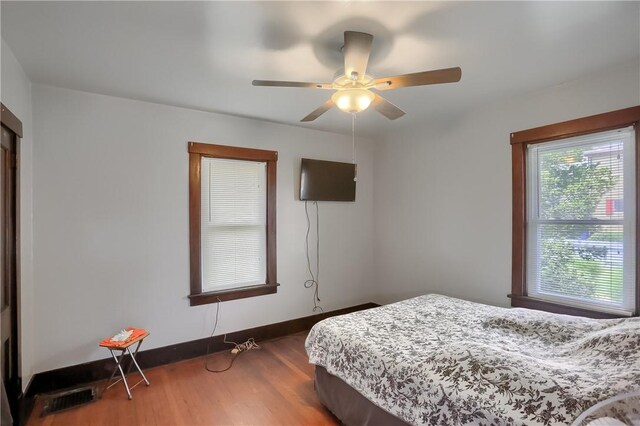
x=439, y=360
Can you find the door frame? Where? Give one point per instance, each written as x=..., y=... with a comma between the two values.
x=11, y=122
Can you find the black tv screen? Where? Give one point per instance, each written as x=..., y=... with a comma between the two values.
x=327, y=181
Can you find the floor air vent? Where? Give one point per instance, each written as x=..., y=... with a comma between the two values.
x=62, y=401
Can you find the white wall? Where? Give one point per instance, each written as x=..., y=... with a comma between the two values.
x=111, y=224
x=443, y=194
x=15, y=93
x=111, y=236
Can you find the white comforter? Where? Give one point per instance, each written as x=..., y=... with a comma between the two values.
x=438, y=360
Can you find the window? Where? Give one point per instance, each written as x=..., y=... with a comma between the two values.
x=232, y=222
x=575, y=216
x=578, y=250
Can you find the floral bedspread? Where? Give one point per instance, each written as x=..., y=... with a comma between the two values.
x=442, y=361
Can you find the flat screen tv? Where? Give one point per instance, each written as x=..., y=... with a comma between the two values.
x=327, y=181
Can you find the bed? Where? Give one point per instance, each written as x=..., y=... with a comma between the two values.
x=443, y=361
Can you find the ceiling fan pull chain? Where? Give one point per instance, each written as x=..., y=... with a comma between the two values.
x=353, y=137
x=353, y=145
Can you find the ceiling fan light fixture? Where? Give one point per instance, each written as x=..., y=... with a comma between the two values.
x=352, y=83
x=353, y=100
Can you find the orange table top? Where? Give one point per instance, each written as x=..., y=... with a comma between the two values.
x=137, y=335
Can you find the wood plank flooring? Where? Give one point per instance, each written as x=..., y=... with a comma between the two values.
x=269, y=386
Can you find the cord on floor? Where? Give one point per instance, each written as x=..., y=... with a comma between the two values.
x=237, y=350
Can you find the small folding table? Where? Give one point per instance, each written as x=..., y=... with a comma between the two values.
x=123, y=347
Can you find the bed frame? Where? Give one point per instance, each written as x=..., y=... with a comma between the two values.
x=348, y=405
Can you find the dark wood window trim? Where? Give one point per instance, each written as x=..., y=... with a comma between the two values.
x=10, y=120
x=12, y=375
x=519, y=142
x=196, y=152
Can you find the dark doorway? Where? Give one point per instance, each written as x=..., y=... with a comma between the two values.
x=9, y=355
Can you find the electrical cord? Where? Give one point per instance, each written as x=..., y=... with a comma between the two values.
x=206, y=364
x=314, y=281
x=236, y=351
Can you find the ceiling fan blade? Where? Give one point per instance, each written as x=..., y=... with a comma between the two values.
x=272, y=83
x=357, y=47
x=386, y=108
x=319, y=111
x=447, y=75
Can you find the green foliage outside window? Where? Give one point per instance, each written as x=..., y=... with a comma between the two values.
x=571, y=188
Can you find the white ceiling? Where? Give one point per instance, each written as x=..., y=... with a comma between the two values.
x=203, y=55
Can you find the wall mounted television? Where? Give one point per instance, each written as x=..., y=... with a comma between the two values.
x=327, y=181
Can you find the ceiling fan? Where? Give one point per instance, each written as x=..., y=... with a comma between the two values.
x=353, y=89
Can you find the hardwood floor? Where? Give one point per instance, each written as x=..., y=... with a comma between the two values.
x=269, y=386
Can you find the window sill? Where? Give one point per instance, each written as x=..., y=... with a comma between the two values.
x=557, y=308
x=232, y=294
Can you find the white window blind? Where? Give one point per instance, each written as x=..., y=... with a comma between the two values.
x=233, y=223
x=581, y=221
